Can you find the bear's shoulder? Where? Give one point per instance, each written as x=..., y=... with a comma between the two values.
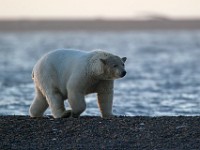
x=99, y=54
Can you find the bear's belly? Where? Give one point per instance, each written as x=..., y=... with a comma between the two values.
x=64, y=93
x=92, y=88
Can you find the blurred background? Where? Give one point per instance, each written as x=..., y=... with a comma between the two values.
x=160, y=38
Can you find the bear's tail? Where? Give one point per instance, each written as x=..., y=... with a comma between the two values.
x=32, y=74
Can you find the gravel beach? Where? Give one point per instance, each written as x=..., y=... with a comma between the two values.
x=87, y=132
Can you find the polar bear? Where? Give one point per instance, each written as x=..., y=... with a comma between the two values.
x=71, y=74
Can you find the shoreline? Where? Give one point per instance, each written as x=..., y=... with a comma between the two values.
x=97, y=25
x=88, y=132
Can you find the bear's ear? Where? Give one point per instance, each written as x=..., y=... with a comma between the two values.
x=124, y=59
x=103, y=61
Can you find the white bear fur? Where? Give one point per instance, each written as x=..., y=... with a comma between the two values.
x=71, y=74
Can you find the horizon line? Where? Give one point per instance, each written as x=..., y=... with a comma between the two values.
x=148, y=18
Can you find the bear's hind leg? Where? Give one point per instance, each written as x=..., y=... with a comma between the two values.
x=56, y=103
x=39, y=105
x=77, y=103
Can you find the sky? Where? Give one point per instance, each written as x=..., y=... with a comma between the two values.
x=100, y=9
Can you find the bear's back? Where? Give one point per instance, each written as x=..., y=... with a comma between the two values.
x=64, y=54
x=58, y=58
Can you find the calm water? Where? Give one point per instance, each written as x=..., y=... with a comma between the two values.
x=163, y=69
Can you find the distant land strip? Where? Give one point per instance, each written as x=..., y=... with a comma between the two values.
x=97, y=25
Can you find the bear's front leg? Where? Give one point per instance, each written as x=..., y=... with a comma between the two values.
x=105, y=97
x=105, y=102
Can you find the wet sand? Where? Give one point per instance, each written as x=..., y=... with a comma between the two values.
x=23, y=132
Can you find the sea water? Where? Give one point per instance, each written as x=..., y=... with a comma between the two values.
x=163, y=69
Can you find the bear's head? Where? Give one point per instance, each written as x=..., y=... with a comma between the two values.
x=113, y=67
x=106, y=66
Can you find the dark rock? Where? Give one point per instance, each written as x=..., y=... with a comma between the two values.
x=23, y=132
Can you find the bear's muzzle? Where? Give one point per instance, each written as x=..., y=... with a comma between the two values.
x=123, y=74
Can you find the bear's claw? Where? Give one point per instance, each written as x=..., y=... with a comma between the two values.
x=66, y=114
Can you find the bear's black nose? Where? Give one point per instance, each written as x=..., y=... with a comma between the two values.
x=123, y=74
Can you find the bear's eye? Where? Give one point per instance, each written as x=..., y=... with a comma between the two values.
x=114, y=66
x=122, y=64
